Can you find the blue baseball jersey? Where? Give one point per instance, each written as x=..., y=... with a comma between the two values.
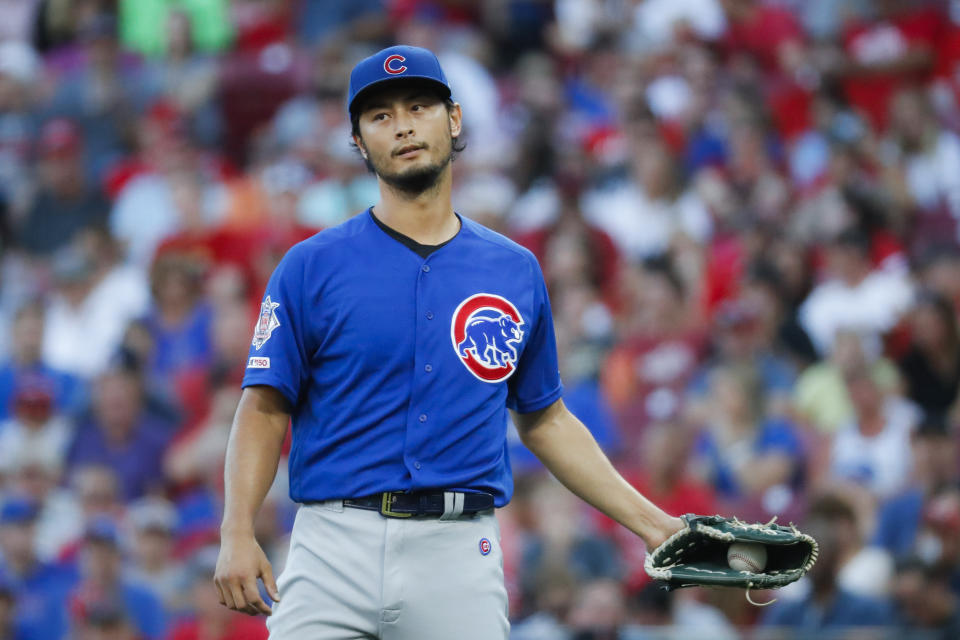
x=399, y=369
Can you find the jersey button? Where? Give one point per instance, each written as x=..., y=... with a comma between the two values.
x=426, y=268
x=429, y=315
x=428, y=368
x=416, y=465
x=423, y=417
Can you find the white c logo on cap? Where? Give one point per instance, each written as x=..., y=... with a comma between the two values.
x=388, y=64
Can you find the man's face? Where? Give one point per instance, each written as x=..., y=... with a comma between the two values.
x=16, y=539
x=406, y=134
x=101, y=562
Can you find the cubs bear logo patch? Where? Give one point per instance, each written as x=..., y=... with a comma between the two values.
x=486, y=332
x=266, y=323
x=485, y=547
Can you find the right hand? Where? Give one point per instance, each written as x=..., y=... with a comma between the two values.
x=240, y=563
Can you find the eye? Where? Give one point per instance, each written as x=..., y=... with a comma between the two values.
x=417, y=107
x=380, y=116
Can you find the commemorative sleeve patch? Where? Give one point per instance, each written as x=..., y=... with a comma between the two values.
x=266, y=323
x=258, y=363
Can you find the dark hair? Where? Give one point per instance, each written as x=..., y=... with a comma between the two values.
x=933, y=425
x=662, y=266
x=831, y=508
x=944, y=310
x=853, y=238
x=458, y=145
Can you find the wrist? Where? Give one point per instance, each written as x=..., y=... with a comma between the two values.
x=234, y=529
x=665, y=527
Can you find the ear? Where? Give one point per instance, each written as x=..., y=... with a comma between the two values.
x=456, y=120
x=357, y=140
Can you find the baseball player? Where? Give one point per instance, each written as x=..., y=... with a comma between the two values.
x=395, y=343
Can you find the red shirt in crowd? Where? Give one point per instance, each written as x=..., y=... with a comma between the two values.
x=885, y=42
x=762, y=34
x=644, y=378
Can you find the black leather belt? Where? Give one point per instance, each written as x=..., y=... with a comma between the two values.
x=400, y=504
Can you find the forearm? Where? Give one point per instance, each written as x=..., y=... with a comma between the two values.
x=569, y=451
x=253, y=454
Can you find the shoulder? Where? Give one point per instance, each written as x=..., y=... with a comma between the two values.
x=860, y=609
x=784, y=612
x=329, y=242
x=484, y=239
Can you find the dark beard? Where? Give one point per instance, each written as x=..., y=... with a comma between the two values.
x=413, y=183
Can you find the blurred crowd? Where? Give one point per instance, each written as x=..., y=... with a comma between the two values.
x=747, y=212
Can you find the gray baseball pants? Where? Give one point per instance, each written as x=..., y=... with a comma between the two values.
x=353, y=574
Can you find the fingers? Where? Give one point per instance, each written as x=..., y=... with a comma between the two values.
x=226, y=596
x=235, y=590
x=266, y=574
x=255, y=603
x=242, y=596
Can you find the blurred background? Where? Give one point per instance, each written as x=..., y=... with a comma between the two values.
x=747, y=212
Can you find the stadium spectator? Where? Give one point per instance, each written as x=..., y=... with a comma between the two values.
x=100, y=87
x=659, y=348
x=19, y=74
x=931, y=368
x=598, y=611
x=828, y=607
x=894, y=48
x=821, y=396
x=645, y=213
x=67, y=200
x=86, y=317
x=926, y=603
x=40, y=588
x=855, y=296
x=101, y=584
x=26, y=362
x=179, y=321
x=934, y=468
x=34, y=426
x=874, y=450
x=154, y=523
x=938, y=541
x=929, y=161
x=741, y=341
x=122, y=435
x=38, y=474
x=106, y=621
x=97, y=490
x=744, y=454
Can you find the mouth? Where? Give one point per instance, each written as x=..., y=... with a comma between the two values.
x=408, y=151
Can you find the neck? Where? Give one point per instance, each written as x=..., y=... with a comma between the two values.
x=855, y=277
x=21, y=565
x=25, y=358
x=174, y=312
x=426, y=217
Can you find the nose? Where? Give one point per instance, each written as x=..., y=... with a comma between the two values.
x=404, y=126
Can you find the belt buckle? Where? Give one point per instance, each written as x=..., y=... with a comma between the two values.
x=387, y=498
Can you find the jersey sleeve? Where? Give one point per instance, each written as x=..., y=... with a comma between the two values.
x=278, y=355
x=536, y=382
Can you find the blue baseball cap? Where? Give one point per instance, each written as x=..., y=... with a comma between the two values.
x=392, y=64
x=18, y=510
x=102, y=529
